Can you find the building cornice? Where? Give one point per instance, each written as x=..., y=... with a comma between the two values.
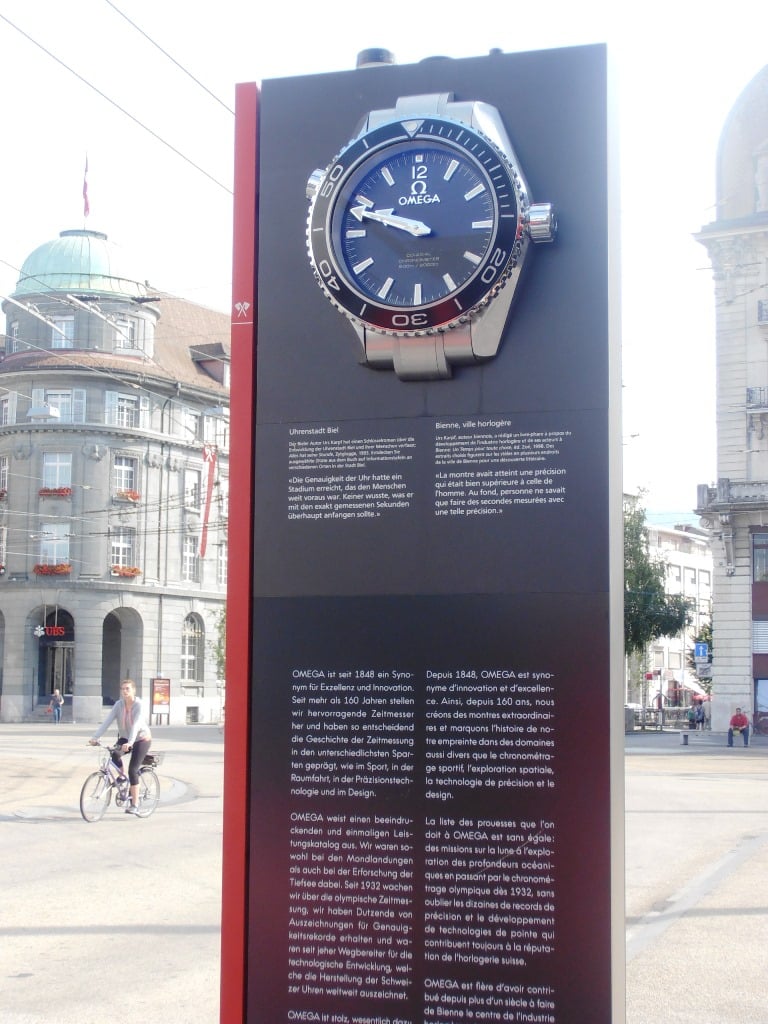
x=113, y=372
x=122, y=437
x=738, y=247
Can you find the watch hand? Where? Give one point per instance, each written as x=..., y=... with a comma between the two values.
x=392, y=220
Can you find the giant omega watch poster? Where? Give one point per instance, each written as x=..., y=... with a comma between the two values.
x=423, y=803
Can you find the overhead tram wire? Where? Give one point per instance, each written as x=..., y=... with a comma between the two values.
x=70, y=363
x=110, y=375
x=70, y=300
x=150, y=532
x=116, y=105
x=173, y=60
x=65, y=354
x=178, y=501
x=219, y=521
x=214, y=526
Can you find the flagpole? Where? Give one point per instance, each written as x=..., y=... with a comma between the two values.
x=86, y=204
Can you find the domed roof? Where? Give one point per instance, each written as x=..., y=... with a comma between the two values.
x=743, y=151
x=81, y=262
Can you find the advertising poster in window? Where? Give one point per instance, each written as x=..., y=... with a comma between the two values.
x=432, y=807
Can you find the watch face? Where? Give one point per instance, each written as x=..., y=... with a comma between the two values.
x=416, y=225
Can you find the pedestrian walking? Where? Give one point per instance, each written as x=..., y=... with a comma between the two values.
x=700, y=718
x=55, y=706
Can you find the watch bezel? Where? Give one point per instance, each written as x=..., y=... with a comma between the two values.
x=503, y=255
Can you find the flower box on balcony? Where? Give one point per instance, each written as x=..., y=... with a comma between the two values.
x=125, y=570
x=58, y=569
x=127, y=495
x=55, y=492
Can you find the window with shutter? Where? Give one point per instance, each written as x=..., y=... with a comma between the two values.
x=760, y=637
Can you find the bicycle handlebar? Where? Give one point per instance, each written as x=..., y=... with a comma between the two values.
x=116, y=749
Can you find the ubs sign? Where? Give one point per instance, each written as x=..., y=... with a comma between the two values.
x=49, y=631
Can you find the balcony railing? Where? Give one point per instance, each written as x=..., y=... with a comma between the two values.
x=757, y=398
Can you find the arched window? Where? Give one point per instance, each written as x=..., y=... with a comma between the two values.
x=193, y=649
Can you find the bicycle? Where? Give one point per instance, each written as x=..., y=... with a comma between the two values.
x=98, y=787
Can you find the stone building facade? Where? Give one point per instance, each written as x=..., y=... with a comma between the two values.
x=736, y=510
x=687, y=555
x=113, y=488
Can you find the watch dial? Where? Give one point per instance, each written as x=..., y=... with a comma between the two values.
x=415, y=225
x=411, y=227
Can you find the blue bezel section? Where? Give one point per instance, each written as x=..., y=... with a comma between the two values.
x=462, y=288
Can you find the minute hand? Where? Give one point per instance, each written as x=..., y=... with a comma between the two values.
x=392, y=220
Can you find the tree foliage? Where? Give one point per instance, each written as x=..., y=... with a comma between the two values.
x=219, y=644
x=649, y=612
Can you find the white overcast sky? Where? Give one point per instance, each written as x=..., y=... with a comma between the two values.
x=680, y=67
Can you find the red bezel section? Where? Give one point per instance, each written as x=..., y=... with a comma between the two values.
x=511, y=204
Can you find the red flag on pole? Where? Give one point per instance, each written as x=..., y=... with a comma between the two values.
x=86, y=204
x=209, y=462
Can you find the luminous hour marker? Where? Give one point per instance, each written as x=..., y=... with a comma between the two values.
x=363, y=265
x=451, y=170
x=449, y=282
x=417, y=294
x=384, y=290
x=481, y=224
x=472, y=257
x=387, y=176
x=356, y=233
x=474, y=192
x=364, y=201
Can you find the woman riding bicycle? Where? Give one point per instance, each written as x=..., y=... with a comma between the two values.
x=134, y=736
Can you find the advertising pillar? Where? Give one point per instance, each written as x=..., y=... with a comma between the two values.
x=432, y=797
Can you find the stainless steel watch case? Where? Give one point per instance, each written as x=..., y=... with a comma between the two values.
x=476, y=334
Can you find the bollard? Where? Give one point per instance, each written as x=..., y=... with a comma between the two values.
x=684, y=738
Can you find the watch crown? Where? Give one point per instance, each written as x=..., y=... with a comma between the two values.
x=314, y=182
x=541, y=222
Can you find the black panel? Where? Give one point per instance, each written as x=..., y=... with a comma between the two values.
x=430, y=777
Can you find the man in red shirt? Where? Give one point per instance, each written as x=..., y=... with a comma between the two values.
x=739, y=723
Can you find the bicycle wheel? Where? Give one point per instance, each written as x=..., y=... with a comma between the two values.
x=95, y=796
x=149, y=792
